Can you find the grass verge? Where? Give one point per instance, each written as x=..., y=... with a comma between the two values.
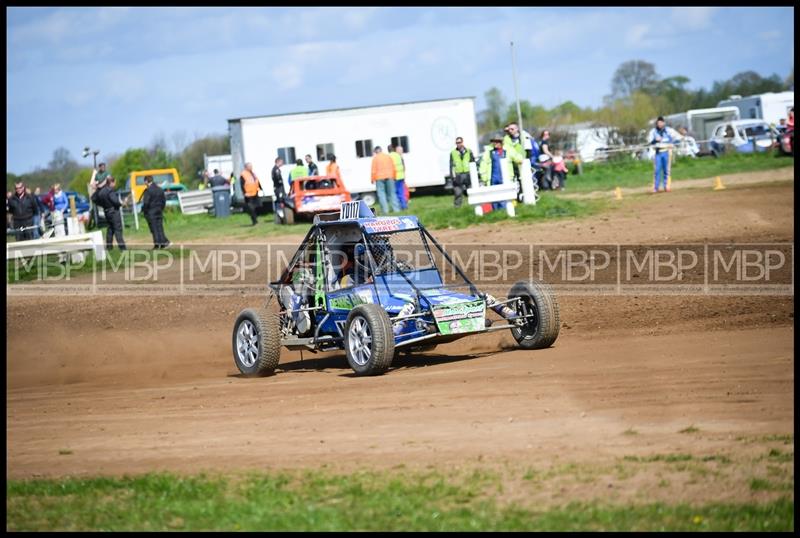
x=323, y=501
x=627, y=174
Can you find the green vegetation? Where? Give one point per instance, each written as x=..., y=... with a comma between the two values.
x=393, y=501
x=635, y=173
x=690, y=429
x=761, y=484
x=668, y=458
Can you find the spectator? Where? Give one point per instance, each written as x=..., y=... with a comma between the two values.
x=333, y=168
x=396, y=153
x=41, y=213
x=493, y=162
x=512, y=143
x=23, y=208
x=383, y=174
x=688, y=146
x=277, y=184
x=460, y=158
x=559, y=171
x=250, y=186
x=781, y=127
x=661, y=137
x=153, y=203
x=790, y=121
x=217, y=180
x=204, y=181
x=98, y=180
x=107, y=198
x=9, y=194
x=312, y=166
x=298, y=171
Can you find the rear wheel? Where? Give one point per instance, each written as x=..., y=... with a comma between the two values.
x=538, y=303
x=369, y=341
x=256, y=342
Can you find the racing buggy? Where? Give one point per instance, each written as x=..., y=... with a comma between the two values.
x=374, y=286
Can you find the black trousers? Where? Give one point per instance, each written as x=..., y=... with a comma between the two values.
x=23, y=235
x=114, y=219
x=250, y=205
x=461, y=182
x=156, y=223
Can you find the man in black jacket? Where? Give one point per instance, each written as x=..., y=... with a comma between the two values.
x=107, y=198
x=22, y=207
x=153, y=203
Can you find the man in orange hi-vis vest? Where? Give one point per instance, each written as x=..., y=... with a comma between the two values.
x=250, y=188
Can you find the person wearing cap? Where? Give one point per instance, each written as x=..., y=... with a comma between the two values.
x=107, y=198
x=383, y=174
x=662, y=138
x=495, y=163
x=460, y=158
x=153, y=203
x=23, y=209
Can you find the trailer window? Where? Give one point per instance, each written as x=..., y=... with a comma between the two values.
x=287, y=154
x=400, y=141
x=363, y=148
x=324, y=152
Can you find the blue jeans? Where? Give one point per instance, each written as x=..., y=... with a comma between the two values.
x=386, y=189
x=497, y=205
x=36, y=220
x=400, y=187
x=661, y=169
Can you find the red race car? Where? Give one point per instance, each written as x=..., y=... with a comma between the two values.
x=311, y=195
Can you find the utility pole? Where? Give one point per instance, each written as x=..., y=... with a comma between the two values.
x=525, y=172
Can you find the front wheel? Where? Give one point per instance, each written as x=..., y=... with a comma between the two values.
x=539, y=306
x=369, y=340
x=369, y=198
x=256, y=342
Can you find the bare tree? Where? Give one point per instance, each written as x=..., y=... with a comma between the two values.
x=633, y=76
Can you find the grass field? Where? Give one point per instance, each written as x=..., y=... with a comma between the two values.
x=626, y=174
x=324, y=501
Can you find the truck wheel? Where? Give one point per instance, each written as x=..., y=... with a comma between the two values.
x=538, y=300
x=368, y=340
x=288, y=215
x=256, y=342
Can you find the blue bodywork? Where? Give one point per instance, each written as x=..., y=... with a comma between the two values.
x=392, y=290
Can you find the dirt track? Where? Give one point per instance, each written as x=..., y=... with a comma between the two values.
x=132, y=384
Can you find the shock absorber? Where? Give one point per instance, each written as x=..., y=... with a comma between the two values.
x=397, y=326
x=501, y=309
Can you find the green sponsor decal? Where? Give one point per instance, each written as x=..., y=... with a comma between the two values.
x=460, y=317
x=350, y=301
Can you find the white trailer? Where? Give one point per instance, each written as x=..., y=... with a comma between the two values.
x=426, y=129
x=223, y=163
x=701, y=122
x=770, y=107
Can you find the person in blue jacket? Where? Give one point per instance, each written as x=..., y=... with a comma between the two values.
x=660, y=136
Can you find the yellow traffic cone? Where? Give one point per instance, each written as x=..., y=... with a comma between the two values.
x=718, y=186
x=618, y=194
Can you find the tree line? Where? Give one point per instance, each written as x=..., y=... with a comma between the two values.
x=638, y=94
x=186, y=158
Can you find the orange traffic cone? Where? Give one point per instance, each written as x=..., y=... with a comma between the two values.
x=718, y=186
x=617, y=194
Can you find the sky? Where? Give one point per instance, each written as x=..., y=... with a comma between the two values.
x=115, y=78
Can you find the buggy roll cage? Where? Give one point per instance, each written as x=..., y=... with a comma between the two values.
x=317, y=235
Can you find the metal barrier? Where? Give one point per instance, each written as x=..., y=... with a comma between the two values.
x=196, y=202
x=67, y=244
